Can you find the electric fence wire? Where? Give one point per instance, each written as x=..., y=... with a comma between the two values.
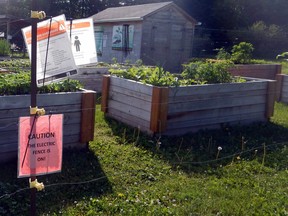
x=103, y=177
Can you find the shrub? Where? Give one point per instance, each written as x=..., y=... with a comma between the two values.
x=222, y=54
x=4, y=48
x=207, y=72
x=242, y=53
x=18, y=84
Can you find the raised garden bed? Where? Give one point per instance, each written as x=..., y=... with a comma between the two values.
x=91, y=77
x=179, y=110
x=78, y=109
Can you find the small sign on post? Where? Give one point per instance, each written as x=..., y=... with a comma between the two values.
x=40, y=145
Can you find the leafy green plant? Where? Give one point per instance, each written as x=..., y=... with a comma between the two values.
x=19, y=83
x=4, y=48
x=194, y=73
x=19, y=63
x=207, y=72
x=149, y=75
x=242, y=53
x=222, y=54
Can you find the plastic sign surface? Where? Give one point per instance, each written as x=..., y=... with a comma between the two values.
x=40, y=147
x=60, y=61
x=82, y=41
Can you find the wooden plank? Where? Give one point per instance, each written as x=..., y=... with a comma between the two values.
x=88, y=116
x=216, y=120
x=105, y=93
x=127, y=119
x=214, y=113
x=215, y=103
x=182, y=131
x=271, y=96
x=131, y=101
x=130, y=93
x=43, y=100
x=159, y=109
x=15, y=113
x=131, y=85
x=133, y=111
x=11, y=124
x=215, y=95
x=216, y=88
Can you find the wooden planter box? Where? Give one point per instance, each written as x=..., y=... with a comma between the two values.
x=179, y=110
x=91, y=77
x=79, y=118
x=263, y=71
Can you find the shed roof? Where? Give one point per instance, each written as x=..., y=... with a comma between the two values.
x=134, y=13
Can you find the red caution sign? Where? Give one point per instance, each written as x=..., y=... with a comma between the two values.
x=40, y=145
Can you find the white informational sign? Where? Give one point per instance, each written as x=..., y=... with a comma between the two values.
x=60, y=61
x=82, y=41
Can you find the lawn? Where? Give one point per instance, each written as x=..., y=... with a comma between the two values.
x=232, y=171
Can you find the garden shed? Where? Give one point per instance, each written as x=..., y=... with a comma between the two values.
x=158, y=33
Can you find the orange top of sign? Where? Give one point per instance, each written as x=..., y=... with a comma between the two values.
x=43, y=32
x=79, y=25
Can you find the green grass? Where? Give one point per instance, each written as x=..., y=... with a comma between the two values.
x=141, y=175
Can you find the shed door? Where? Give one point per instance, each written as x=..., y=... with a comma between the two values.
x=167, y=45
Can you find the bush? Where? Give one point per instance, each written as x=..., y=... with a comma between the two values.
x=223, y=54
x=4, y=48
x=19, y=84
x=207, y=72
x=242, y=53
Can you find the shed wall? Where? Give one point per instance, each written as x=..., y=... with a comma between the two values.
x=167, y=39
x=108, y=53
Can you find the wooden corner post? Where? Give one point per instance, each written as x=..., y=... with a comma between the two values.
x=279, y=85
x=105, y=93
x=88, y=116
x=159, y=109
x=270, y=98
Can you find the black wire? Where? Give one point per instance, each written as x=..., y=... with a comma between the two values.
x=46, y=57
x=71, y=21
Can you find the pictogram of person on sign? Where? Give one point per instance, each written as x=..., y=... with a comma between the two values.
x=77, y=44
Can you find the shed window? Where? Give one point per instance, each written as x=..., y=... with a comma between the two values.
x=99, y=32
x=122, y=38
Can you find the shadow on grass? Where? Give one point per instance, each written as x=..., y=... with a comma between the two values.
x=209, y=149
x=61, y=189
